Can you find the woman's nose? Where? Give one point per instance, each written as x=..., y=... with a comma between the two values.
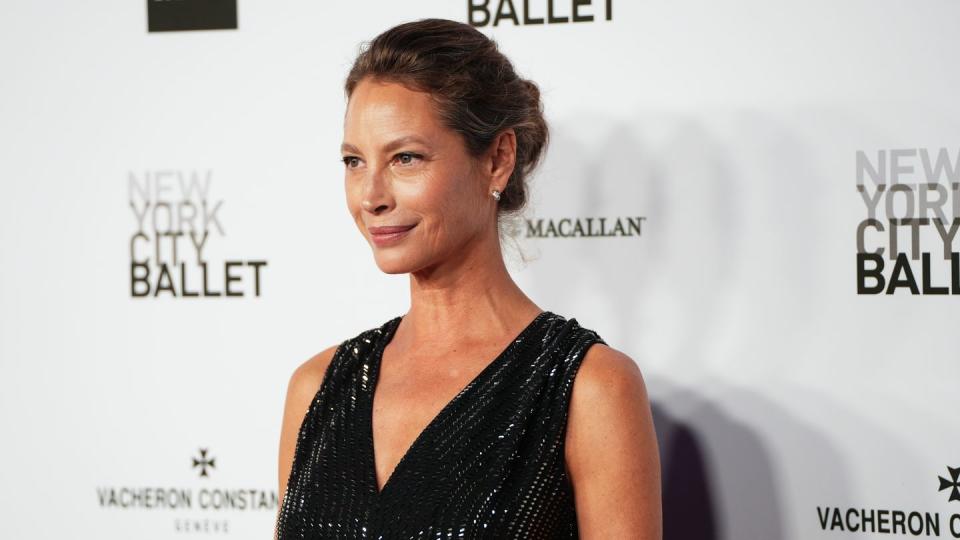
x=376, y=194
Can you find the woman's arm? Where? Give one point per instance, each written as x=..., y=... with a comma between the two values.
x=611, y=450
x=302, y=388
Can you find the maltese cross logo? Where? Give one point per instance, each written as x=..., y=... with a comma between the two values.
x=203, y=462
x=953, y=483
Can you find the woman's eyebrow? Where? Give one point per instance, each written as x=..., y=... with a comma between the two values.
x=392, y=145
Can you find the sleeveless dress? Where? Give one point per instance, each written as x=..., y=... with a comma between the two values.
x=489, y=465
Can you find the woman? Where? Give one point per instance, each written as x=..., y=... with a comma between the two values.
x=477, y=414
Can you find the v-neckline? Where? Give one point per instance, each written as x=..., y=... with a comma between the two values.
x=377, y=359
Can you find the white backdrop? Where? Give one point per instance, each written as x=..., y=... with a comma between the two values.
x=782, y=396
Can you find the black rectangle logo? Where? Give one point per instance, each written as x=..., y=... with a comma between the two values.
x=170, y=15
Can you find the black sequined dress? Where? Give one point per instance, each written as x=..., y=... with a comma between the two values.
x=489, y=465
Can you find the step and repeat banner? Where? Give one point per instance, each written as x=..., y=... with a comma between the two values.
x=756, y=201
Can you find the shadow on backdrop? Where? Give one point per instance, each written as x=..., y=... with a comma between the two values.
x=688, y=511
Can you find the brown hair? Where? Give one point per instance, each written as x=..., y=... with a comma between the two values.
x=478, y=93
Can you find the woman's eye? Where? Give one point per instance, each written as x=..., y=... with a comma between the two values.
x=409, y=155
x=348, y=160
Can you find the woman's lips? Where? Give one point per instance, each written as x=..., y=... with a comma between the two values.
x=389, y=229
x=386, y=235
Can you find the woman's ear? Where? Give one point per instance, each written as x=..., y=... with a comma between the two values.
x=502, y=159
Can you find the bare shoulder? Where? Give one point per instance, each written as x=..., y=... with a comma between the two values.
x=302, y=387
x=609, y=393
x=308, y=376
x=605, y=369
x=611, y=449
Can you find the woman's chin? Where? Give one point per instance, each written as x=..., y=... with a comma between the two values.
x=392, y=264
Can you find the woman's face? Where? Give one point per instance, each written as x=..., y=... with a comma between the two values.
x=403, y=168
